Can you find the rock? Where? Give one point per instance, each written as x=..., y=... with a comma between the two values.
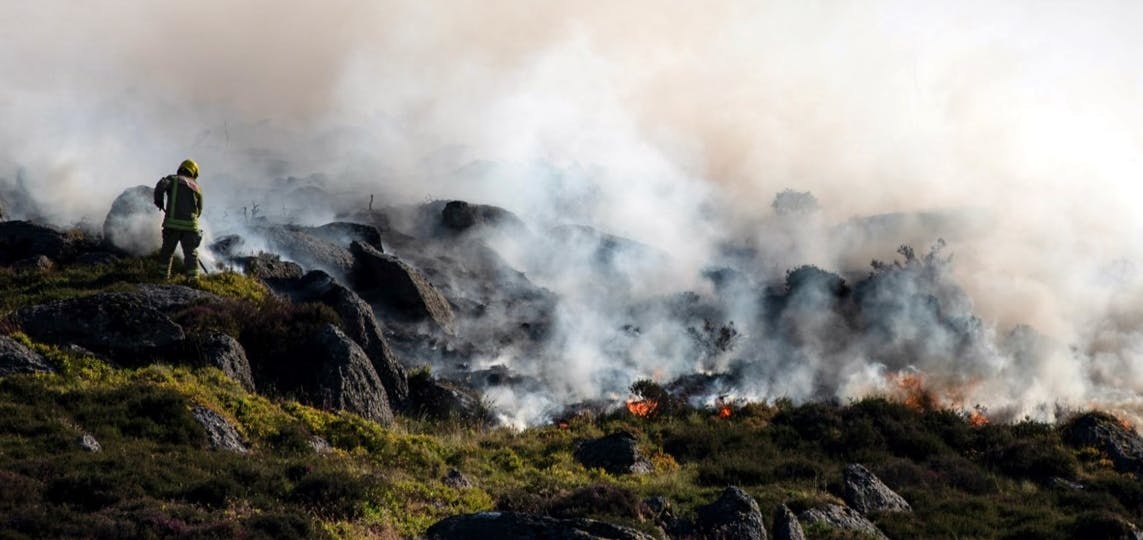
x=735, y=515
x=360, y=325
x=124, y=325
x=866, y=493
x=35, y=263
x=399, y=288
x=459, y=215
x=1106, y=434
x=88, y=443
x=345, y=233
x=346, y=379
x=21, y=240
x=657, y=509
x=227, y=246
x=527, y=526
x=786, y=525
x=444, y=400
x=225, y=353
x=320, y=445
x=170, y=298
x=616, y=453
x=15, y=358
x=310, y=251
x=265, y=267
x=222, y=435
x=841, y=517
x=456, y=479
x=134, y=222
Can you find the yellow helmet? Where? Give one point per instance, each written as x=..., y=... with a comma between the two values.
x=189, y=168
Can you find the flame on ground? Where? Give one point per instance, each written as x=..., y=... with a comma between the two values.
x=642, y=407
x=977, y=418
x=724, y=409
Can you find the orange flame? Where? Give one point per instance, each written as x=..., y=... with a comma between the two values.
x=977, y=418
x=642, y=407
x=563, y=425
x=724, y=410
x=913, y=392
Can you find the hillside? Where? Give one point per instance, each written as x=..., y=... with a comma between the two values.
x=92, y=445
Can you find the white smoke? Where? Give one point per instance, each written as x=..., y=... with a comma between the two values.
x=670, y=123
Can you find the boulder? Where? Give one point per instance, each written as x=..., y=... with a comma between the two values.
x=171, y=298
x=346, y=379
x=866, y=493
x=35, y=263
x=399, y=288
x=345, y=233
x=527, y=526
x=134, y=222
x=320, y=445
x=456, y=479
x=616, y=453
x=267, y=267
x=88, y=443
x=1105, y=433
x=123, y=325
x=841, y=517
x=445, y=400
x=21, y=240
x=225, y=353
x=17, y=358
x=735, y=515
x=786, y=525
x=312, y=252
x=359, y=322
x=221, y=434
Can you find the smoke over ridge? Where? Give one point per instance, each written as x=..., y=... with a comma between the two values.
x=1019, y=127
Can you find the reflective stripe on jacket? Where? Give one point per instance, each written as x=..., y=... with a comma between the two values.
x=184, y=202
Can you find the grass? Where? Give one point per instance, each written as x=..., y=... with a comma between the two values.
x=158, y=477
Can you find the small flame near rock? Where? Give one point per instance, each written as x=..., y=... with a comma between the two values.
x=642, y=407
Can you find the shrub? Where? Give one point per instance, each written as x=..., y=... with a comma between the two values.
x=1037, y=460
x=597, y=500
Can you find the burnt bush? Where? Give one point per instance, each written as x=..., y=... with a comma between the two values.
x=596, y=500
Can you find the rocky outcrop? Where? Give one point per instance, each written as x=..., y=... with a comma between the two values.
x=400, y=289
x=221, y=434
x=21, y=240
x=133, y=223
x=786, y=525
x=267, y=267
x=225, y=353
x=866, y=493
x=360, y=325
x=1105, y=433
x=345, y=233
x=129, y=327
x=616, y=453
x=841, y=517
x=735, y=515
x=461, y=216
x=346, y=379
x=443, y=400
x=311, y=251
x=527, y=526
x=15, y=358
x=123, y=325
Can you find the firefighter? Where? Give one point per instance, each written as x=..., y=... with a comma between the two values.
x=183, y=207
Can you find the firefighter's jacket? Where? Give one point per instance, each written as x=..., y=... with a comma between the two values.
x=184, y=202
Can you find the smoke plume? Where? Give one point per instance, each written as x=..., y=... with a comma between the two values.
x=1014, y=132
